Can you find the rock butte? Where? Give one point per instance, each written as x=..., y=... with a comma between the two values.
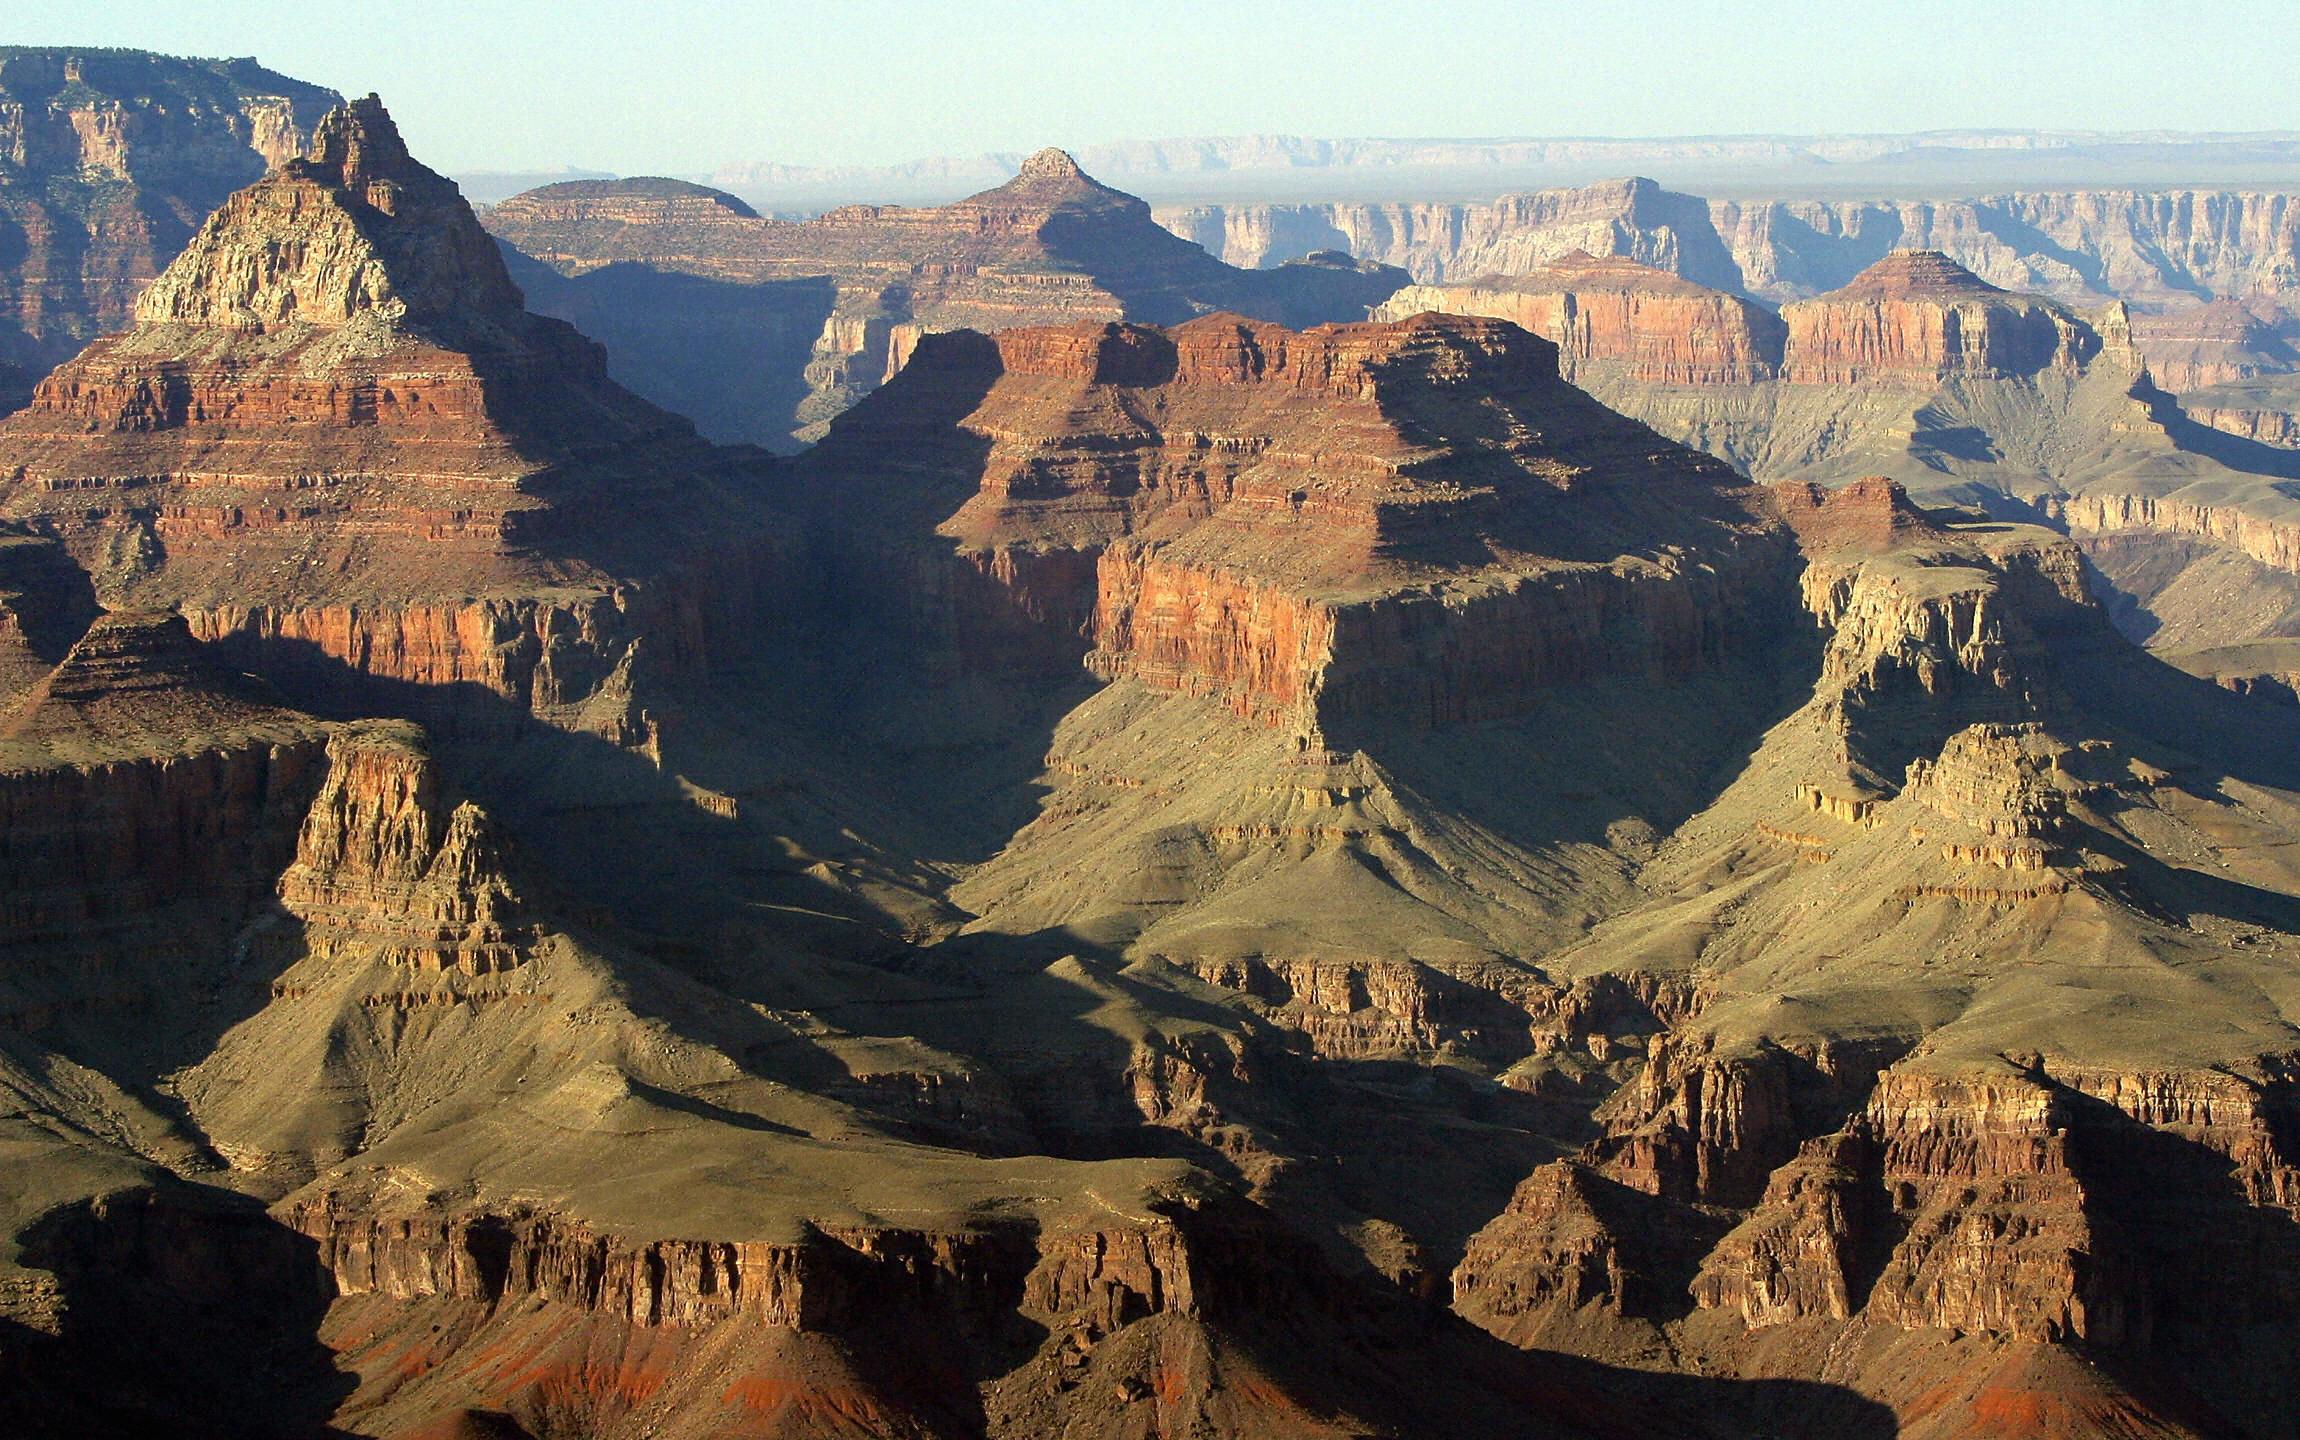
x=1195, y=879
x=334, y=431
x=1308, y=525
x=1915, y=317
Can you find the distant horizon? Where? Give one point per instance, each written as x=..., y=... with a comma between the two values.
x=1291, y=168
x=1217, y=137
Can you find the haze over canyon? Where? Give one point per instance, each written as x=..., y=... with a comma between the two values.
x=975, y=807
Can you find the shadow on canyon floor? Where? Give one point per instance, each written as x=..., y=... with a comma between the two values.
x=187, y=1311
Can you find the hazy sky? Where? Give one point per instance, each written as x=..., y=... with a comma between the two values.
x=677, y=86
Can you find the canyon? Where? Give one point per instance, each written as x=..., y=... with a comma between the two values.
x=1583, y=857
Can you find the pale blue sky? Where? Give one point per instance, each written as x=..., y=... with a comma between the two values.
x=679, y=86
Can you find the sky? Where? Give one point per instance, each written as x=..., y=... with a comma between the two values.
x=673, y=86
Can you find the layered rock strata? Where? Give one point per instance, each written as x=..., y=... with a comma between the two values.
x=148, y=791
x=1915, y=318
x=335, y=438
x=1660, y=329
x=2203, y=345
x=1918, y=317
x=2161, y=249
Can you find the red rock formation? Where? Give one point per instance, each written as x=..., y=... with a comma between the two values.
x=814, y=1284
x=1566, y=1241
x=1982, y=1204
x=334, y=427
x=1278, y=522
x=1659, y=329
x=1869, y=516
x=1701, y=1127
x=1917, y=317
x=383, y=863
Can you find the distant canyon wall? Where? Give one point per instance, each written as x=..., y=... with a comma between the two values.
x=2174, y=247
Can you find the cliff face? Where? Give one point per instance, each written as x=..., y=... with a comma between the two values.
x=1225, y=844
x=147, y=791
x=384, y=862
x=1921, y=370
x=334, y=429
x=1915, y=318
x=1635, y=219
x=2159, y=249
x=2272, y=540
x=109, y=160
x=1048, y=247
x=1659, y=329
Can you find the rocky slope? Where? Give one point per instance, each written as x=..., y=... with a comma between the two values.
x=109, y=161
x=1050, y=245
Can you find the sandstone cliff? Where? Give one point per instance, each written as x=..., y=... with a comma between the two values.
x=1659, y=329
x=1917, y=317
x=1271, y=517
